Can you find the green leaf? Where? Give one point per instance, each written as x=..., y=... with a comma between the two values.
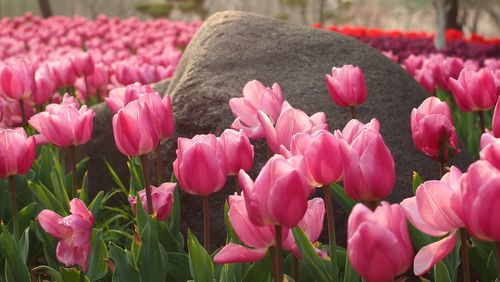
x=49, y=244
x=24, y=217
x=231, y=272
x=416, y=180
x=115, y=177
x=341, y=197
x=259, y=271
x=81, y=169
x=96, y=204
x=14, y=260
x=230, y=233
x=24, y=245
x=350, y=275
x=84, y=191
x=200, y=263
x=124, y=269
x=178, y=267
x=441, y=273
x=168, y=241
x=152, y=260
x=479, y=256
x=97, y=266
x=59, y=188
x=175, y=215
x=314, y=263
x=46, y=199
x=71, y=275
x=54, y=274
x=419, y=238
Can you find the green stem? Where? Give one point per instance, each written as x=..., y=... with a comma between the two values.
x=353, y=112
x=159, y=165
x=147, y=182
x=332, y=242
x=23, y=112
x=82, y=275
x=443, y=154
x=279, y=253
x=272, y=250
x=206, y=224
x=481, y=121
x=295, y=269
x=237, y=187
x=72, y=150
x=497, y=257
x=14, y=205
x=86, y=86
x=464, y=253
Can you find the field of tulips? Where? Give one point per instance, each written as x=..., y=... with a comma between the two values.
x=52, y=229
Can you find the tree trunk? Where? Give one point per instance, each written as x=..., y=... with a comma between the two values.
x=439, y=38
x=321, y=10
x=452, y=15
x=303, y=12
x=45, y=8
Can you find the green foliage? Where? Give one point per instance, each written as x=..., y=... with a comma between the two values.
x=154, y=9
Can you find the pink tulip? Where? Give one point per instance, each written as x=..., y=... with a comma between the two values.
x=99, y=78
x=73, y=231
x=63, y=73
x=346, y=86
x=120, y=97
x=83, y=64
x=474, y=91
x=447, y=69
x=64, y=124
x=495, y=123
x=45, y=87
x=279, y=194
x=237, y=150
x=413, y=63
x=378, y=243
x=354, y=127
x=425, y=76
x=289, y=122
x=260, y=238
x=200, y=166
x=256, y=97
x=17, y=152
x=11, y=112
x=162, y=198
x=321, y=151
x=161, y=110
x=17, y=81
x=369, y=172
x=127, y=73
x=134, y=129
x=431, y=125
x=437, y=211
x=481, y=200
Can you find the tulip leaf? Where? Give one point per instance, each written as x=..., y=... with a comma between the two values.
x=314, y=263
x=175, y=215
x=135, y=168
x=15, y=264
x=54, y=274
x=152, y=259
x=200, y=263
x=81, y=169
x=72, y=275
x=259, y=271
x=419, y=238
x=46, y=199
x=416, y=180
x=59, y=188
x=479, y=256
x=168, y=241
x=49, y=244
x=341, y=197
x=441, y=273
x=84, y=190
x=115, y=177
x=350, y=275
x=95, y=205
x=178, y=267
x=231, y=236
x=124, y=269
x=24, y=217
x=97, y=266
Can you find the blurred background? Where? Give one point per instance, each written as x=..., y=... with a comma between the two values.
x=470, y=16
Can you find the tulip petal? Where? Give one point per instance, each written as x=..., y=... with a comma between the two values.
x=411, y=211
x=431, y=254
x=233, y=253
x=51, y=223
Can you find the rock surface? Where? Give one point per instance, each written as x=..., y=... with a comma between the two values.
x=235, y=47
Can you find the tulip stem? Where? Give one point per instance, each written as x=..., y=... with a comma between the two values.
x=464, y=252
x=159, y=165
x=295, y=269
x=237, y=187
x=23, y=112
x=443, y=154
x=497, y=257
x=279, y=253
x=82, y=275
x=353, y=112
x=72, y=150
x=481, y=121
x=272, y=250
x=14, y=205
x=86, y=86
x=147, y=182
x=332, y=242
x=206, y=224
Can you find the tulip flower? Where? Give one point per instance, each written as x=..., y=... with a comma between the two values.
x=200, y=166
x=238, y=151
x=162, y=197
x=426, y=77
x=446, y=69
x=321, y=151
x=161, y=109
x=17, y=152
x=433, y=130
x=260, y=238
x=17, y=81
x=480, y=200
x=83, y=64
x=354, y=127
x=45, y=87
x=378, y=243
x=12, y=112
x=369, y=172
x=120, y=97
x=63, y=73
x=436, y=210
x=64, y=124
x=290, y=122
x=474, y=91
x=256, y=97
x=73, y=231
x=279, y=194
x=413, y=63
x=346, y=86
x=495, y=123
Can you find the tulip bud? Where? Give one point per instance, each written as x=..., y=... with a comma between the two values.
x=17, y=81
x=238, y=151
x=17, y=152
x=162, y=197
x=474, y=91
x=346, y=86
